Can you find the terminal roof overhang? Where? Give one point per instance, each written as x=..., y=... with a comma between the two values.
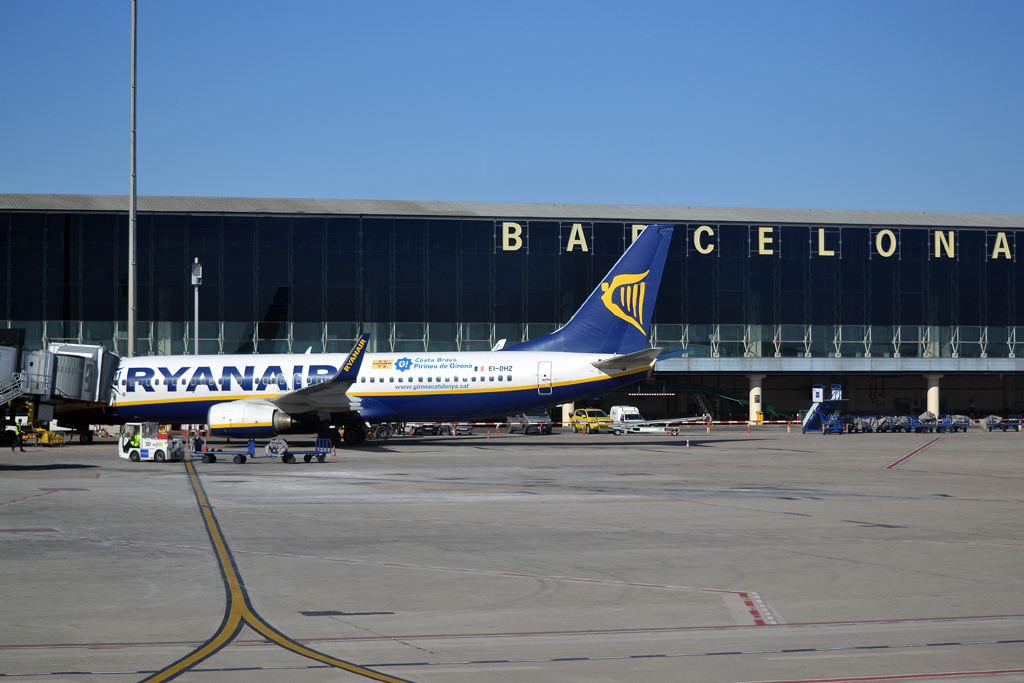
x=502, y=210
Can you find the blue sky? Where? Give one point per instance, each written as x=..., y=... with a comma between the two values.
x=914, y=106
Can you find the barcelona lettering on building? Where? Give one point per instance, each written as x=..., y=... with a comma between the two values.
x=703, y=240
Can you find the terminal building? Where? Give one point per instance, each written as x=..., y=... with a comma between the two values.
x=908, y=311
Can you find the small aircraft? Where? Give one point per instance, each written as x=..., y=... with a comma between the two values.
x=258, y=396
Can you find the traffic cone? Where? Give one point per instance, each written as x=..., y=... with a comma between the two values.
x=687, y=443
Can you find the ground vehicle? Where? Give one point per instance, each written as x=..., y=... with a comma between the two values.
x=423, y=429
x=152, y=443
x=44, y=433
x=530, y=423
x=628, y=420
x=590, y=420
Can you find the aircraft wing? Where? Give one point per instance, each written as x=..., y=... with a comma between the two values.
x=628, y=360
x=331, y=396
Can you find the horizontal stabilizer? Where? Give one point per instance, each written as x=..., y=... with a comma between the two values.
x=628, y=360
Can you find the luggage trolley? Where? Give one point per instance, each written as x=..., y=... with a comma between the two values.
x=321, y=450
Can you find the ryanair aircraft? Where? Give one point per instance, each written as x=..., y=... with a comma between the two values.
x=600, y=349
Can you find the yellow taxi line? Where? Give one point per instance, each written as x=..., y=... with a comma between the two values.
x=240, y=613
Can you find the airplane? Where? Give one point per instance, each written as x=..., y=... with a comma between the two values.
x=600, y=349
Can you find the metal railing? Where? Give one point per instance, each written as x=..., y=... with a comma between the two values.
x=720, y=340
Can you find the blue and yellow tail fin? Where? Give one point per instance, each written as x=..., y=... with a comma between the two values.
x=616, y=317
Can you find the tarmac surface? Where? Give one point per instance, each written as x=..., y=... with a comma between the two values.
x=746, y=557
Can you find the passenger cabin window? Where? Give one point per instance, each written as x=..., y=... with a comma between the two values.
x=509, y=378
x=399, y=379
x=491, y=378
x=500, y=378
x=391, y=379
x=473, y=378
x=419, y=379
x=362, y=379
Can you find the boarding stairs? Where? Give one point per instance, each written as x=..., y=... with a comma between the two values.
x=702, y=401
x=821, y=408
x=11, y=388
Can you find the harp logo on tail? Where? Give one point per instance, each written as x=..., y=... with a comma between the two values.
x=624, y=297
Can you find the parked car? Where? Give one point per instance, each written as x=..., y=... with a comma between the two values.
x=590, y=420
x=530, y=423
x=429, y=429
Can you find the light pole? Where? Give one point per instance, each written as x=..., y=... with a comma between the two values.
x=197, y=279
x=132, y=247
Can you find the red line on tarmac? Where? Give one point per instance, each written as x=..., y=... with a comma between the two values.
x=911, y=454
x=899, y=677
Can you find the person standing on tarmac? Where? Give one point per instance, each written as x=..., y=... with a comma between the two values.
x=18, y=435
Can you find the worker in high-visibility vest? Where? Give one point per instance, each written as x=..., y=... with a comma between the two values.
x=18, y=435
x=131, y=440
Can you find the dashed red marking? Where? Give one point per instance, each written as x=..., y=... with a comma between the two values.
x=912, y=453
x=36, y=495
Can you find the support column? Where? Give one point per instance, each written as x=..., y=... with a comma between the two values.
x=567, y=411
x=756, y=404
x=933, y=393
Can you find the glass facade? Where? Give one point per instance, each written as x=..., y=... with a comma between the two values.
x=279, y=282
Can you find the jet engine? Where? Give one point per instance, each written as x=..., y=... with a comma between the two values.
x=247, y=419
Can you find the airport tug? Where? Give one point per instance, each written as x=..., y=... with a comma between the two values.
x=144, y=441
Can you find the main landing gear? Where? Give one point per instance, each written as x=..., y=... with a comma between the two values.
x=354, y=435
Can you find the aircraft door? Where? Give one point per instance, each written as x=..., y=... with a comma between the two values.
x=544, y=377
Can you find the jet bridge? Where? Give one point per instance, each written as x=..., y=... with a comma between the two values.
x=61, y=374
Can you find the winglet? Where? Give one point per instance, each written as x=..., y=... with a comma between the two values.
x=350, y=368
